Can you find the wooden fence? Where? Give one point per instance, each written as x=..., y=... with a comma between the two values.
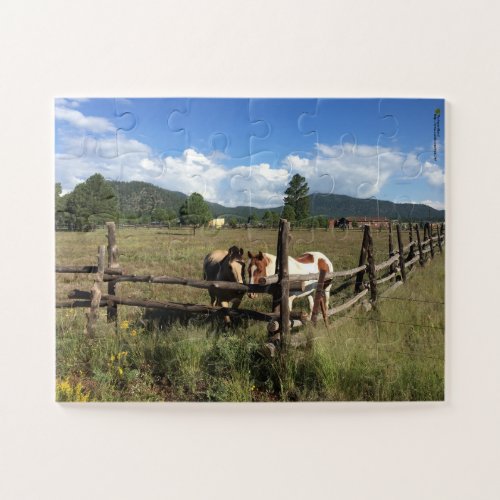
x=280, y=320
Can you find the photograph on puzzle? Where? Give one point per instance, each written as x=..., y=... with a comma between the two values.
x=249, y=250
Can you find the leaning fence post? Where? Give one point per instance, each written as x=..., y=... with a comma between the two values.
x=284, y=280
x=362, y=260
x=419, y=244
x=391, y=249
x=371, y=267
x=431, y=243
x=425, y=238
x=95, y=294
x=401, y=254
x=112, y=309
x=411, y=253
x=439, y=239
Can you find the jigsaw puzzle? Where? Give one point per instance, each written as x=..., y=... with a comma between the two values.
x=212, y=249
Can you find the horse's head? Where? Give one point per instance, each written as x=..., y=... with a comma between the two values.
x=257, y=268
x=236, y=264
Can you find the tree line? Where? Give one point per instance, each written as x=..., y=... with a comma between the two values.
x=95, y=201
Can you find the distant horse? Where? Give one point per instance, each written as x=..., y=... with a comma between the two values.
x=342, y=223
x=225, y=265
x=264, y=264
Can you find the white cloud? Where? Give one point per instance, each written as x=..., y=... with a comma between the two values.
x=70, y=103
x=89, y=145
x=438, y=205
x=360, y=170
x=192, y=171
x=150, y=165
x=75, y=168
x=433, y=174
x=360, y=175
x=331, y=151
x=77, y=119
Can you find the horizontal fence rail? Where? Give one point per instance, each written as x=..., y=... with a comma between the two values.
x=181, y=307
x=280, y=320
x=86, y=270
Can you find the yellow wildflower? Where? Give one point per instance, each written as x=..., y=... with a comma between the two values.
x=64, y=386
x=133, y=333
x=124, y=325
x=112, y=358
x=66, y=392
x=120, y=370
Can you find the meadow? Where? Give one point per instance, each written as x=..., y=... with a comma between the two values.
x=393, y=352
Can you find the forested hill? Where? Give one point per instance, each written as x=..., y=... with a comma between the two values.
x=339, y=205
x=138, y=198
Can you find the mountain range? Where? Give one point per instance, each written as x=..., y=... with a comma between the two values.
x=136, y=198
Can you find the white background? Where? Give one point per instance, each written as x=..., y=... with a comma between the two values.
x=258, y=48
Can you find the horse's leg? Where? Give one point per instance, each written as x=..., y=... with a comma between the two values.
x=310, y=299
x=227, y=319
x=327, y=296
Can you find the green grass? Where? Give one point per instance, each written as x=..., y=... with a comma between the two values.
x=393, y=352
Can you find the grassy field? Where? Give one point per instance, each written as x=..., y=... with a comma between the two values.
x=392, y=352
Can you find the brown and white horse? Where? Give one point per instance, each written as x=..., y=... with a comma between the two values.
x=264, y=264
x=225, y=265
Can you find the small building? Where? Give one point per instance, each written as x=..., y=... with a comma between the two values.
x=375, y=222
x=216, y=223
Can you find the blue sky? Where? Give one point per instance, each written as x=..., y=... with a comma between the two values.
x=244, y=151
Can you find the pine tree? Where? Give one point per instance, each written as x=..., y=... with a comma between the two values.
x=92, y=202
x=297, y=197
x=288, y=213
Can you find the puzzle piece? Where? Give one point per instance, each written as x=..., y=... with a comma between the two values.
x=152, y=120
x=346, y=144
x=240, y=155
x=226, y=129
x=94, y=135
x=276, y=113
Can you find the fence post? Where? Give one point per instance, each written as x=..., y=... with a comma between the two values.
x=411, y=253
x=284, y=280
x=391, y=249
x=276, y=290
x=362, y=260
x=371, y=267
x=424, y=241
x=112, y=309
x=439, y=239
x=274, y=327
x=401, y=256
x=431, y=243
x=419, y=244
x=319, y=299
x=95, y=294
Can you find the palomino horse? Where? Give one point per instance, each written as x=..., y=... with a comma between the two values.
x=264, y=264
x=225, y=265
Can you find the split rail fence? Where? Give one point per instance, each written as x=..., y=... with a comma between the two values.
x=280, y=321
